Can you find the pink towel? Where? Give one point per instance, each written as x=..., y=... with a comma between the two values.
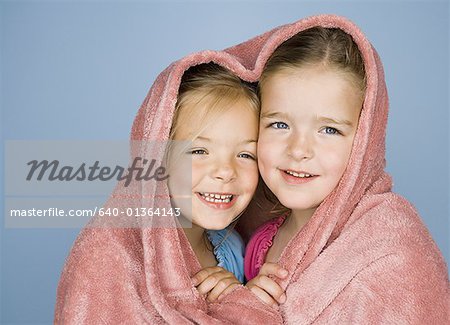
x=364, y=257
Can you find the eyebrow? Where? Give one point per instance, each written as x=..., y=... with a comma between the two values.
x=320, y=119
x=335, y=121
x=272, y=114
x=242, y=142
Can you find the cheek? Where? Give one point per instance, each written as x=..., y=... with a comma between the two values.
x=180, y=186
x=249, y=179
x=336, y=159
x=184, y=175
x=268, y=150
x=197, y=171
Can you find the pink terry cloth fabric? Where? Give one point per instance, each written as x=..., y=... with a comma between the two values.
x=364, y=257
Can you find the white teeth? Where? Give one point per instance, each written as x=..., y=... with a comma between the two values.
x=216, y=198
x=301, y=175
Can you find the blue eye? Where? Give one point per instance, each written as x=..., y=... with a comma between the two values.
x=279, y=125
x=330, y=130
x=246, y=156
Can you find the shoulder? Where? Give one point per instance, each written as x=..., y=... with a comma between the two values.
x=259, y=245
x=97, y=255
x=263, y=235
x=411, y=286
x=229, y=250
x=268, y=229
x=225, y=239
x=386, y=290
x=393, y=218
x=389, y=230
x=95, y=251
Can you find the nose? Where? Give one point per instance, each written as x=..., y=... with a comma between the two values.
x=300, y=146
x=224, y=171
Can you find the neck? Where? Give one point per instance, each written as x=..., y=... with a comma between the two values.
x=200, y=245
x=298, y=218
x=195, y=236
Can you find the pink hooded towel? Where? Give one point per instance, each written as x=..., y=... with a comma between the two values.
x=364, y=257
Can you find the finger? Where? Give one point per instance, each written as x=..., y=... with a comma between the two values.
x=210, y=282
x=264, y=296
x=204, y=273
x=228, y=290
x=271, y=287
x=221, y=286
x=273, y=269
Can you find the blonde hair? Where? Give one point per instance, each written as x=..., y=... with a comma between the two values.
x=330, y=48
x=206, y=91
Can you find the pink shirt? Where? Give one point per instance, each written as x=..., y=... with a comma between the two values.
x=258, y=246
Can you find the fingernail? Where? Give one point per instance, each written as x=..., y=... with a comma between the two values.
x=284, y=273
x=194, y=281
x=283, y=298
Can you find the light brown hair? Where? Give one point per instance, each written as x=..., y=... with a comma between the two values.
x=329, y=47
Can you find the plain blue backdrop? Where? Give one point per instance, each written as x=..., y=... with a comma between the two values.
x=80, y=70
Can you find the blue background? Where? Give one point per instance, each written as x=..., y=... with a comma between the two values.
x=80, y=70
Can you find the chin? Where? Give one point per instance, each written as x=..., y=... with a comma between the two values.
x=296, y=205
x=218, y=226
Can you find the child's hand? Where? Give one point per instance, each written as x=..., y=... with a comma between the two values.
x=267, y=289
x=215, y=281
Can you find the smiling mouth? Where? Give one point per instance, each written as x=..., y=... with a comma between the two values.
x=298, y=174
x=216, y=197
x=297, y=178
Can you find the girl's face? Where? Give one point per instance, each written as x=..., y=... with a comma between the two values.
x=308, y=121
x=224, y=168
